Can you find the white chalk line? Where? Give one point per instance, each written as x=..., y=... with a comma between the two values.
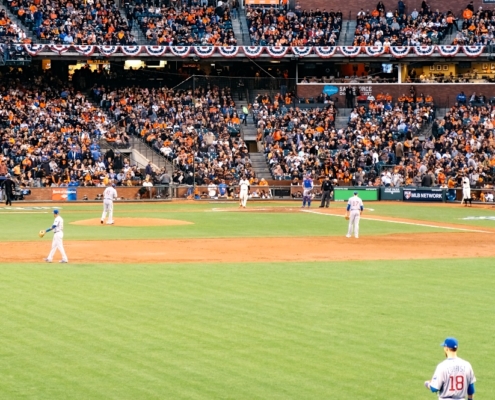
x=23, y=212
x=401, y=222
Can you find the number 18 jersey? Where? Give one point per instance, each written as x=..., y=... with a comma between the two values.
x=452, y=378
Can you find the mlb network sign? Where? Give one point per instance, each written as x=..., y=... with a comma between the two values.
x=423, y=194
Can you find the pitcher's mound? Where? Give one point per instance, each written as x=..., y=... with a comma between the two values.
x=134, y=222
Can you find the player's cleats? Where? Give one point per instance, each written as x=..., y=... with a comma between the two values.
x=47, y=260
x=357, y=237
x=347, y=236
x=110, y=223
x=63, y=261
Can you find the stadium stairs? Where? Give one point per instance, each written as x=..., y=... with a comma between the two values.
x=346, y=37
x=240, y=28
x=29, y=33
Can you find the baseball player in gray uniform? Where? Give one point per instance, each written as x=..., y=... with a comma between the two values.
x=58, y=236
x=109, y=195
x=453, y=378
x=354, y=210
x=466, y=191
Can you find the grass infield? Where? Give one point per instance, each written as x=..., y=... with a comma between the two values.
x=313, y=330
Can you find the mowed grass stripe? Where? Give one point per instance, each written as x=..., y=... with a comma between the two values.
x=306, y=330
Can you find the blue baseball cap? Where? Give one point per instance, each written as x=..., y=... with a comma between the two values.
x=355, y=192
x=55, y=211
x=451, y=343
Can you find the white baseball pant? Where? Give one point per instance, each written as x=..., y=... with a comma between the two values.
x=354, y=217
x=466, y=193
x=243, y=196
x=107, y=208
x=57, y=244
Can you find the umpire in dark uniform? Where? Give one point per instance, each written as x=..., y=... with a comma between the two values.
x=8, y=186
x=326, y=192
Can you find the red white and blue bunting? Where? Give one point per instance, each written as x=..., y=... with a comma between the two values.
x=374, y=51
x=399, y=51
x=325, y=51
x=424, y=50
x=34, y=49
x=85, y=50
x=131, y=50
x=473, y=51
x=277, y=51
x=228, y=51
x=350, y=51
x=256, y=51
x=108, y=50
x=301, y=51
x=447, y=50
x=58, y=48
x=253, y=51
x=180, y=51
x=204, y=51
x=156, y=51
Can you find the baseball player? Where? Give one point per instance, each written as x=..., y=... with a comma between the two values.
x=243, y=192
x=307, y=190
x=109, y=195
x=58, y=236
x=466, y=191
x=354, y=210
x=453, y=378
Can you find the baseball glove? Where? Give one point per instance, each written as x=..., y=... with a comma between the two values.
x=41, y=233
x=347, y=217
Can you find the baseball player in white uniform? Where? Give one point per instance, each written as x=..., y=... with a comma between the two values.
x=453, y=378
x=354, y=210
x=58, y=236
x=243, y=192
x=109, y=195
x=466, y=191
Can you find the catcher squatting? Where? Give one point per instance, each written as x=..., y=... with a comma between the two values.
x=58, y=236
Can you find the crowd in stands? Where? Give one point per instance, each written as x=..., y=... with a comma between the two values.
x=74, y=22
x=381, y=144
x=198, y=131
x=279, y=27
x=477, y=27
x=49, y=134
x=186, y=26
x=395, y=28
x=10, y=32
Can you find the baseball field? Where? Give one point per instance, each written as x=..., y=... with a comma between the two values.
x=188, y=300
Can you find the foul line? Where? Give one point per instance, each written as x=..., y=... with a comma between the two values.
x=401, y=222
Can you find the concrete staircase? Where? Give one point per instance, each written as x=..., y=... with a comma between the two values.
x=260, y=166
x=147, y=152
x=449, y=39
x=240, y=28
x=29, y=32
x=347, y=34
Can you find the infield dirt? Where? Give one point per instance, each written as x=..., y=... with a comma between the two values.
x=231, y=250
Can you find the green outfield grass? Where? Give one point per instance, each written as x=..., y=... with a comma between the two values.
x=367, y=330
x=314, y=330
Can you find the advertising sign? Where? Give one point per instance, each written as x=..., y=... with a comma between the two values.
x=64, y=194
x=423, y=194
x=390, y=193
x=330, y=90
x=366, y=194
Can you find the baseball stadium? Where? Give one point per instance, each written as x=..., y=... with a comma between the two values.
x=257, y=199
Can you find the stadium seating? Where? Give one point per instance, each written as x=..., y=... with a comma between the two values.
x=278, y=27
